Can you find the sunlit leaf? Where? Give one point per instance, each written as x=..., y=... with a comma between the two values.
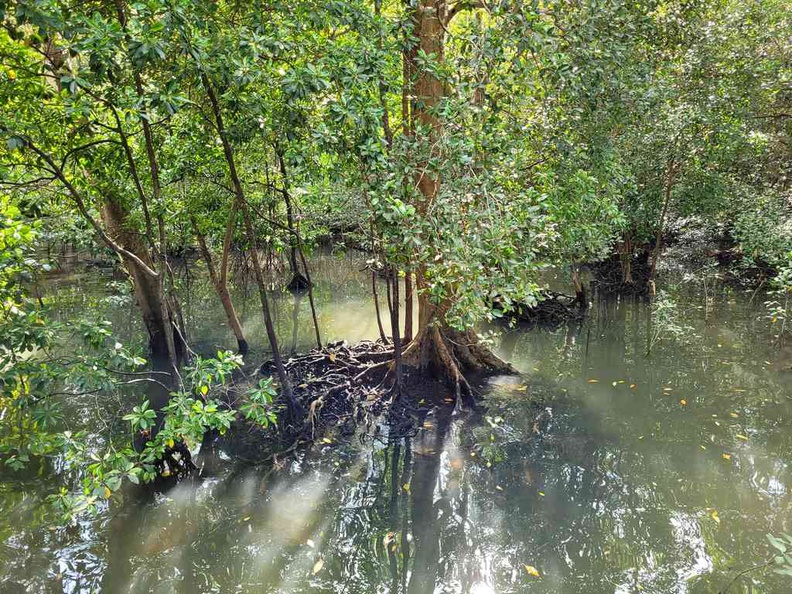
x=532, y=571
x=318, y=566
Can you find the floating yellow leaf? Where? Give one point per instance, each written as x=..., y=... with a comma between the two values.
x=521, y=388
x=667, y=389
x=703, y=447
x=683, y=402
x=632, y=386
x=714, y=515
x=734, y=415
x=541, y=494
x=621, y=382
x=593, y=381
x=743, y=437
x=498, y=488
x=532, y=571
x=318, y=566
x=726, y=456
x=406, y=487
x=246, y=518
x=327, y=440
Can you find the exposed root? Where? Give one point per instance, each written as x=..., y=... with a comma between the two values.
x=298, y=284
x=335, y=385
x=623, y=274
x=451, y=355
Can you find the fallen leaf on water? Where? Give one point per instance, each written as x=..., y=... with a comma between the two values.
x=406, y=487
x=714, y=515
x=621, y=382
x=532, y=571
x=593, y=381
x=667, y=389
x=734, y=415
x=541, y=494
x=727, y=456
x=318, y=566
x=521, y=388
x=614, y=384
x=327, y=440
x=743, y=437
x=683, y=402
x=632, y=386
x=703, y=447
x=246, y=518
x=498, y=487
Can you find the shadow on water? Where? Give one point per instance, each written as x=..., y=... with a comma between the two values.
x=601, y=469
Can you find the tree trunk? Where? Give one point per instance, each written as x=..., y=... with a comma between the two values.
x=437, y=349
x=408, y=307
x=671, y=172
x=156, y=313
x=220, y=285
x=298, y=281
x=295, y=410
x=580, y=291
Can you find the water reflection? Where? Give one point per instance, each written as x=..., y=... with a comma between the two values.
x=603, y=468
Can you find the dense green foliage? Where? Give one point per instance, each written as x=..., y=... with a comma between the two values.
x=557, y=134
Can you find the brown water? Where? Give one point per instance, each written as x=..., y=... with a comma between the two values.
x=602, y=468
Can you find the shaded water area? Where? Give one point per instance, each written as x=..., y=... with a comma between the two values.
x=601, y=468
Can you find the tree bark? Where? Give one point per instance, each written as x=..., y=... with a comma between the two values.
x=166, y=346
x=220, y=283
x=295, y=410
x=438, y=349
x=670, y=179
x=580, y=291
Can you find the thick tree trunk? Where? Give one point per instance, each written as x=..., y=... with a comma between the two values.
x=437, y=349
x=448, y=354
x=166, y=345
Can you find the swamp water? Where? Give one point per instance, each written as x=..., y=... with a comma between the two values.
x=600, y=470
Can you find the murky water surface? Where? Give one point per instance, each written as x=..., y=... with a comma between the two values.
x=601, y=469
